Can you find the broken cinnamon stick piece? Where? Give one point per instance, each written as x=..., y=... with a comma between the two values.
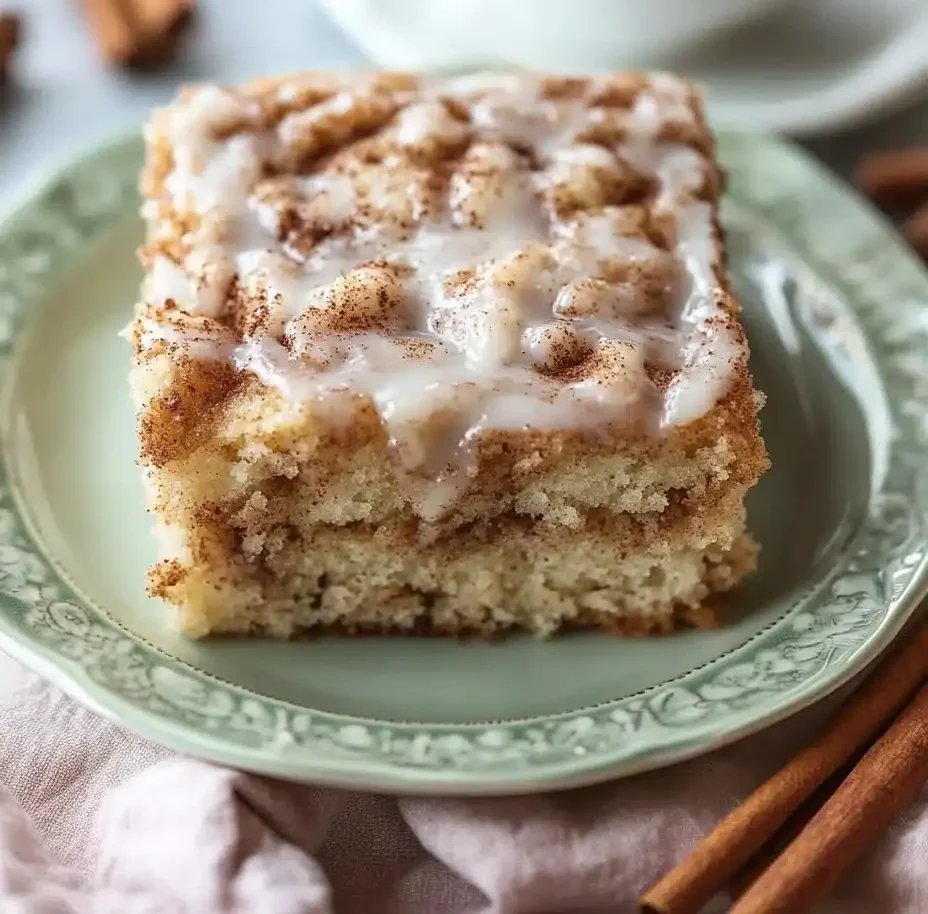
x=915, y=230
x=10, y=34
x=112, y=30
x=135, y=33
x=895, y=176
x=161, y=21
x=162, y=17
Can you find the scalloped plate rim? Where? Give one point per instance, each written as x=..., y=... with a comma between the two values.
x=354, y=770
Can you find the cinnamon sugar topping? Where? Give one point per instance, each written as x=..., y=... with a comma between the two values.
x=510, y=252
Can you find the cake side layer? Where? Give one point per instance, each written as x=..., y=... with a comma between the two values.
x=622, y=574
x=337, y=474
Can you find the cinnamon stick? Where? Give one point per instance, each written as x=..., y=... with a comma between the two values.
x=761, y=861
x=10, y=34
x=112, y=30
x=915, y=230
x=895, y=176
x=134, y=33
x=886, y=778
x=160, y=22
x=723, y=852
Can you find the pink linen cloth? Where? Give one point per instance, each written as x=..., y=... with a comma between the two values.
x=94, y=820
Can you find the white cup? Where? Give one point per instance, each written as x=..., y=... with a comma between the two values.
x=577, y=35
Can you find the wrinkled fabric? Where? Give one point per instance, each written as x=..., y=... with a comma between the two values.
x=94, y=820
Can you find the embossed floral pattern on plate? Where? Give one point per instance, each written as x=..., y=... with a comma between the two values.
x=829, y=634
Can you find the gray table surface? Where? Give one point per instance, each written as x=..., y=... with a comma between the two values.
x=64, y=97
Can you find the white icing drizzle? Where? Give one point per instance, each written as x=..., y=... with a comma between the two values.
x=470, y=302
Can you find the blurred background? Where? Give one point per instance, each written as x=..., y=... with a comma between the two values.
x=845, y=76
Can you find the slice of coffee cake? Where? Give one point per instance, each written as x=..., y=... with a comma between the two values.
x=453, y=356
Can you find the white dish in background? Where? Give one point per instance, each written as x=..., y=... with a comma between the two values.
x=533, y=33
x=812, y=66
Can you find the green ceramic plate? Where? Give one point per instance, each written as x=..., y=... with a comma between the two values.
x=836, y=311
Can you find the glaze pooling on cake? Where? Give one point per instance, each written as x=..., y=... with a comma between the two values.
x=489, y=255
